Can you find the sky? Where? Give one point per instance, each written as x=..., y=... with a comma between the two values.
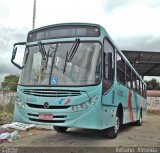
x=132, y=24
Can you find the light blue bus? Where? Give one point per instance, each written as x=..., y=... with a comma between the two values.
x=73, y=75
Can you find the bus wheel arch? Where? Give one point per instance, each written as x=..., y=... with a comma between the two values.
x=118, y=120
x=120, y=113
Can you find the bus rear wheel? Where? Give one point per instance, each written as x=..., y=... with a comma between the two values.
x=139, y=122
x=60, y=129
x=113, y=131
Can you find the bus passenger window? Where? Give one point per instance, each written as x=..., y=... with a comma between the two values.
x=128, y=77
x=120, y=76
x=128, y=82
x=120, y=70
x=138, y=86
x=134, y=81
x=144, y=92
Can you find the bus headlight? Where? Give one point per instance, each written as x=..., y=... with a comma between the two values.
x=23, y=106
x=19, y=102
x=84, y=105
x=75, y=108
x=93, y=100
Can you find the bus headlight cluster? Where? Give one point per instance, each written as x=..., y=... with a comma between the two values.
x=83, y=105
x=93, y=100
x=19, y=102
x=77, y=108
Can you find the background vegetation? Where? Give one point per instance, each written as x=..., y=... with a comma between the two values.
x=10, y=82
x=153, y=84
x=7, y=107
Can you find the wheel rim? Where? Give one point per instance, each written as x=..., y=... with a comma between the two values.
x=116, y=125
x=140, y=119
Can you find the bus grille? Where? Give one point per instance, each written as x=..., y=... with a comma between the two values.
x=47, y=121
x=50, y=107
x=51, y=92
x=55, y=116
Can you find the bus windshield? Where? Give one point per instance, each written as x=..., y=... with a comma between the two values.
x=83, y=69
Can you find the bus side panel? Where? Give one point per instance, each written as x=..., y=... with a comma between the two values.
x=121, y=98
x=133, y=107
x=108, y=109
x=136, y=105
x=131, y=102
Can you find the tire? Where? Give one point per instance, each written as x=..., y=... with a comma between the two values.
x=113, y=131
x=60, y=129
x=139, y=122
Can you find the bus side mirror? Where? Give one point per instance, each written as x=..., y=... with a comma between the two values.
x=14, y=54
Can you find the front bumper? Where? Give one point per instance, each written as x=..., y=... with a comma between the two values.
x=88, y=118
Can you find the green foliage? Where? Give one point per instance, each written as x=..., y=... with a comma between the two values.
x=1, y=108
x=5, y=118
x=153, y=84
x=6, y=113
x=10, y=82
x=9, y=108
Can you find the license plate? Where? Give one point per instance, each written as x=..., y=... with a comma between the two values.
x=46, y=116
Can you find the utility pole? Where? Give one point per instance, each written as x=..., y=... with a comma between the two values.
x=34, y=13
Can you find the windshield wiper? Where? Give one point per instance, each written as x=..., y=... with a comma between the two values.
x=73, y=50
x=42, y=50
x=71, y=53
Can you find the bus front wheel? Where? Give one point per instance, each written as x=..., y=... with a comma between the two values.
x=113, y=131
x=60, y=129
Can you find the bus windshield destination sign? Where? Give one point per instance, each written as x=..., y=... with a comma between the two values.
x=63, y=32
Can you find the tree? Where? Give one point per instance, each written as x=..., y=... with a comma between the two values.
x=152, y=84
x=10, y=82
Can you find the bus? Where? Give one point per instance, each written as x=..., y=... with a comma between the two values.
x=73, y=75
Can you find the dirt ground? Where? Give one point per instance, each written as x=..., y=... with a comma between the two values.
x=147, y=135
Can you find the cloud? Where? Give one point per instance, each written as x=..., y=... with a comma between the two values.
x=16, y=14
x=9, y=37
x=112, y=5
x=153, y=44
x=15, y=22
x=8, y=68
x=51, y=12
x=10, y=34
x=144, y=43
x=132, y=24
